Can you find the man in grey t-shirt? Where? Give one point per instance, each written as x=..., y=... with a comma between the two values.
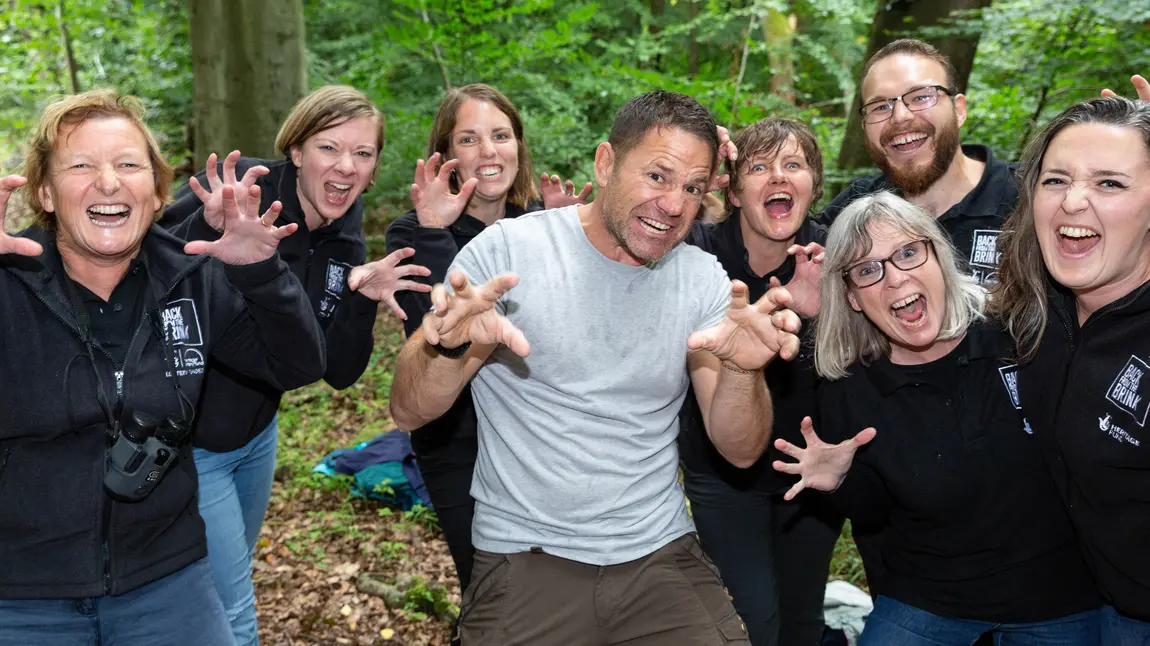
x=580, y=526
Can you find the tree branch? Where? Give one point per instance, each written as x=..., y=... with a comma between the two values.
x=69, y=55
x=435, y=47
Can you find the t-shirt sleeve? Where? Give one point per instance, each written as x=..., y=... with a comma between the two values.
x=716, y=294
x=482, y=259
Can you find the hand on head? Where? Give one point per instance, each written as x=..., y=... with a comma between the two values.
x=1141, y=86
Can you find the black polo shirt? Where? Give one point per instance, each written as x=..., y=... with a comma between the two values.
x=114, y=322
x=791, y=383
x=973, y=224
x=973, y=525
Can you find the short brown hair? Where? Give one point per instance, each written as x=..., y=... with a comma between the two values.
x=913, y=47
x=767, y=137
x=101, y=103
x=660, y=109
x=523, y=190
x=324, y=108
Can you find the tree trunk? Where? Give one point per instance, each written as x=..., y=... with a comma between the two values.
x=69, y=55
x=779, y=34
x=693, y=45
x=249, y=67
x=892, y=20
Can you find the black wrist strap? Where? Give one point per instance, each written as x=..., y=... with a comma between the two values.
x=452, y=353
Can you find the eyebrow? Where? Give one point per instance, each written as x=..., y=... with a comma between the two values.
x=469, y=131
x=1097, y=173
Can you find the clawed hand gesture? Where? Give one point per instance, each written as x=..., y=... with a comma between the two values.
x=557, y=194
x=820, y=465
x=11, y=244
x=751, y=335
x=381, y=279
x=804, y=285
x=435, y=205
x=727, y=150
x=214, y=200
x=1141, y=86
x=248, y=237
x=469, y=316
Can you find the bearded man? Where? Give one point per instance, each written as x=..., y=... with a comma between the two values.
x=911, y=113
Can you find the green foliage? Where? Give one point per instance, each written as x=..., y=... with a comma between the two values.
x=421, y=600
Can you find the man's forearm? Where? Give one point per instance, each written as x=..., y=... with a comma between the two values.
x=740, y=417
x=426, y=384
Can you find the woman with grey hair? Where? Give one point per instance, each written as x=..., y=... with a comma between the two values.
x=1075, y=294
x=974, y=537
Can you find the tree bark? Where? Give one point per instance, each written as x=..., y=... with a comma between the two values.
x=69, y=54
x=779, y=34
x=892, y=21
x=693, y=45
x=249, y=68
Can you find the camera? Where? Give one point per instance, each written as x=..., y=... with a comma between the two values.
x=141, y=453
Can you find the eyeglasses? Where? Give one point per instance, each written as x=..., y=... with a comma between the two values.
x=906, y=257
x=916, y=100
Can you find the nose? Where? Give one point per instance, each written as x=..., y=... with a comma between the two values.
x=107, y=181
x=893, y=277
x=900, y=112
x=345, y=164
x=1075, y=198
x=487, y=147
x=672, y=203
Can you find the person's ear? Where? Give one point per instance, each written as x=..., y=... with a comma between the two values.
x=960, y=109
x=853, y=301
x=604, y=164
x=296, y=156
x=734, y=199
x=46, y=201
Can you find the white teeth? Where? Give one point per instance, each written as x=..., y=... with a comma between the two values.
x=898, y=305
x=489, y=172
x=1076, y=232
x=779, y=196
x=342, y=187
x=907, y=138
x=659, y=227
x=109, y=209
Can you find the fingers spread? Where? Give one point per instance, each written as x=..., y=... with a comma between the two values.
x=467, y=189
x=230, y=166
x=253, y=174
x=513, y=338
x=210, y=172
x=739, y=295
x=586, y=192
x=793, y=468
x=499, y=286
x=775, y=298
x=412, y=286
x=460, y=284
x=787, y=321
x=864, y=436
x=395, y=257
x=272, y=214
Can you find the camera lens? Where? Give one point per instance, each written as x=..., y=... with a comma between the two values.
x=172, y=431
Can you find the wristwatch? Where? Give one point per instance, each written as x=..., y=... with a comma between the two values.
x=452, y=353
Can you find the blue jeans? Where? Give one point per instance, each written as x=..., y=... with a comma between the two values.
x=893, y=623
x=233, y=495
x=1123, y=631
x=181, y=609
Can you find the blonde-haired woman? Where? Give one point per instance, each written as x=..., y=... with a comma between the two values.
x=107, y=328
x=974, y=537
x=330, y=144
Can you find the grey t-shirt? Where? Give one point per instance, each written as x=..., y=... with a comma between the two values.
x=577, y=450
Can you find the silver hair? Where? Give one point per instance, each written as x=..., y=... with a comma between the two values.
x=843, y=336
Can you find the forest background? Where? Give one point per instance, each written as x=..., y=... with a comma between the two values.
x=222, y=74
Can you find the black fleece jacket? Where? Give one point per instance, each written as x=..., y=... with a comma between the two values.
x=61, y=535
x=436, y=249
x=235, y=407
x=1087, y=394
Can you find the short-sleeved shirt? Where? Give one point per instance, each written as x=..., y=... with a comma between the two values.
x=973, y=224
x=577, y=451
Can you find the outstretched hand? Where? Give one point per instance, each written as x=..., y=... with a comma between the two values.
x=820, y=465
x=557, y=194
x=381, y=279
x=248, y=237
x=1141, y=86
x=11, y=244
x=751, y=335
x=469, y=316
x=213, y=200
x=435, y=205
x=804, y=285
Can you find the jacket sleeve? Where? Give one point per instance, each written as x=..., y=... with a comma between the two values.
x=434, y=249
x=863, y=495
x=348, y=336
x=273, y=336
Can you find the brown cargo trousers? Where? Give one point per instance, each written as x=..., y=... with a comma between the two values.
x=673, y=597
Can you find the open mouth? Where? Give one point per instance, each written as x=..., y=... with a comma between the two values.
x=653, y=226
x=336, y=192
x=910, y=311
x=908, y=141
x=779, y=205
x=1077, y=240
x=109, y=215
x=488, y=172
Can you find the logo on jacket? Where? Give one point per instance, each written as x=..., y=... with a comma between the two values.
x=984, y=255
x=1128, y=392
x=336, y=277
x=181, y=324
x=1115, y=431
x=1009, y=376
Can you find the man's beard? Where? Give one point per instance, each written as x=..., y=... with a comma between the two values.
x=617, y=226
x=916, y=180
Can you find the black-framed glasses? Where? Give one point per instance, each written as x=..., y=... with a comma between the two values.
x=907, y=257
x=916, y=100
